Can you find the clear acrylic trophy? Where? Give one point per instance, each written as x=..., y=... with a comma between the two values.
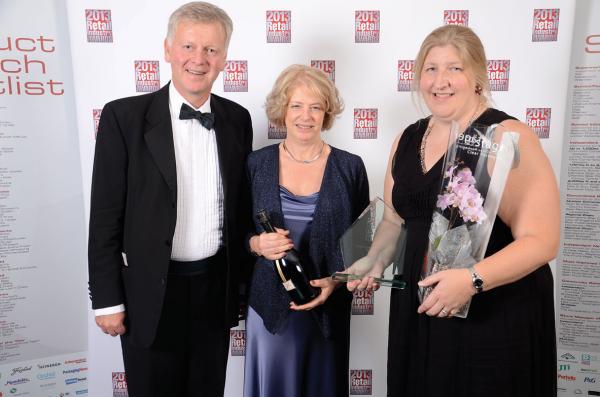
x=374, y=246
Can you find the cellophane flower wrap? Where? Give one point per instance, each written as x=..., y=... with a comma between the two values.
x=475, y=170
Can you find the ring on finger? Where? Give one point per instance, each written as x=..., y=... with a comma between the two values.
x=444, y=312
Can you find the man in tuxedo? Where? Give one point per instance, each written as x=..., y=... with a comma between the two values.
x=169, y=210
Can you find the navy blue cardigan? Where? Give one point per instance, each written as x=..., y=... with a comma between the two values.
x=343, y=195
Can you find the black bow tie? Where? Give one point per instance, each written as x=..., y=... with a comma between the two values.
x=206, y=119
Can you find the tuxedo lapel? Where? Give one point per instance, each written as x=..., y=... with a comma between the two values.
x=159, y=137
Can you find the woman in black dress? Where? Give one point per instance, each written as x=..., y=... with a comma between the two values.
x=506, y=346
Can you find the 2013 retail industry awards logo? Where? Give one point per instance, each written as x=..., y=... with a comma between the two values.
x=279, y=26
x=147, y=76
x=365, y=123
x=327, y=67
x=539, y=121
x=275, y=132
x=238, y=342
x=119, y=384
x=367, y=26
x=456, y=17
x=96, y=116
x=406, y=74
x=498, y=74
x=363, y=302
x=235, y=76
x=361, y=382
x=99, y=26
x=545, y=24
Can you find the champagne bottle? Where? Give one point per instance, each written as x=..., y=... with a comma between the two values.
x=289, y=269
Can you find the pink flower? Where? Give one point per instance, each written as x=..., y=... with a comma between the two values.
x=462, y=195
x=465, y=175
x=445, y=200
x=450, y=171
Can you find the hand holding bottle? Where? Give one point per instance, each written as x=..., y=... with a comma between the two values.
x=271, y=245
x=288, y=267
x=326, y=285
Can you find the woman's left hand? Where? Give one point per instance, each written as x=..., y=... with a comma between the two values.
x=452, y=289
x=327, y=286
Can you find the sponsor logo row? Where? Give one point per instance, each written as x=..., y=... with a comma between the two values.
x=585, y=359
x=367, y=25
x=578, y=371
x=48, y=376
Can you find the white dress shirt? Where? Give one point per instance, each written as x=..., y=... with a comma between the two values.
x=199, y=227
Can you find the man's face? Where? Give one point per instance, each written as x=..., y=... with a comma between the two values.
x=197, y=55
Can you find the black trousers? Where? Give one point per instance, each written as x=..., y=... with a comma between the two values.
x=189, y=355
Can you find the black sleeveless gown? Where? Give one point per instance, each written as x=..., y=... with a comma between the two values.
x=507, y=344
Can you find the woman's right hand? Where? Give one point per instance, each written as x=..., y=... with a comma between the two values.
x=368, y=269
x=271, y=245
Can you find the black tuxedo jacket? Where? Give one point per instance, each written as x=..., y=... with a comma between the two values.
x=134, y=206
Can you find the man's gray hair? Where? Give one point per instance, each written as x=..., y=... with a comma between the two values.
x=200, y=12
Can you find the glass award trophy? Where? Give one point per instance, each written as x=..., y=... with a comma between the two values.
x=374, y=246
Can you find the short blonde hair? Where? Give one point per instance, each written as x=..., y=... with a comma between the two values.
x=470, y=50
x=316, y=80
x=200, y=12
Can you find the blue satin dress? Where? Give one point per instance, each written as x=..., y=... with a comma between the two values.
x=298, y=361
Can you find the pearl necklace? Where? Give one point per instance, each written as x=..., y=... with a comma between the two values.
x=304, y=161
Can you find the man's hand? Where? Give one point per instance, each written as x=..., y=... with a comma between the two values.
x=112, y=324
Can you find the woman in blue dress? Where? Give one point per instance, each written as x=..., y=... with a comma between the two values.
x=313, y=192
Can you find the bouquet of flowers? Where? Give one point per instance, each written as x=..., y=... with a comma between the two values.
x=475, y=169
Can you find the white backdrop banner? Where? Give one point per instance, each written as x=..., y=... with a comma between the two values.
x=43, y=344
x=367, y=48
x=578, y=292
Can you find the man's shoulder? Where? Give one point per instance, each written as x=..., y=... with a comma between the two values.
x=136, y=102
